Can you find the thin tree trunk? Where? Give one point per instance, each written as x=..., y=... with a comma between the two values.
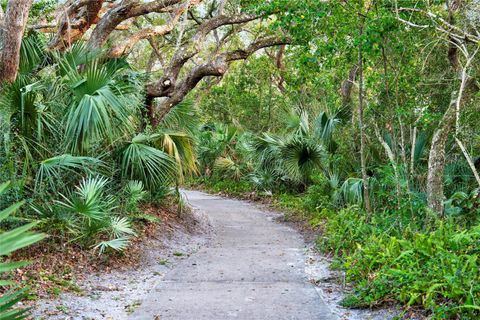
x=347, y=86
x=15, y=20
x=412, y=154
x=391, y=157
x=436, y=159
x=469, y=160
x=366, y=196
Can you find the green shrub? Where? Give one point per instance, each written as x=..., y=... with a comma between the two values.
x=10, y=241
x=235, y=188
x=318, y=195
x=464, y=207
x=432, y=264
x=91, y=213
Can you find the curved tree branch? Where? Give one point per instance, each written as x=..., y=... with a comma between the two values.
x=216, y=67
x=75, y=19
x=126, y=10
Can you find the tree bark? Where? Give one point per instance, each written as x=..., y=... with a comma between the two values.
x=125, y=10
x=75, y=20
x=363, y=163
x=436, y=159
x=347, y=86
x=15, y=20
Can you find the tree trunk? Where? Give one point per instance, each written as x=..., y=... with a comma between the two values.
x=366, y=196
x=436, y=159
x=14, y=23
x=393, y=162
x=347, y=86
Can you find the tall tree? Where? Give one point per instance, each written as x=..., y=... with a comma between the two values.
x=14, y=24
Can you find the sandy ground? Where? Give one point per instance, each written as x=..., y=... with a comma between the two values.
x=123, y=294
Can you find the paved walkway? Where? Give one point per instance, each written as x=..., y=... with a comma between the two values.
x=252, y=270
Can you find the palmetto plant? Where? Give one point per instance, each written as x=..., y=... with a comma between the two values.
x=68, y=120
x=100, y=109
x=300, y=157
x=10, y=241
x=52, y=168
x=134, y=193
x=227, y=167
x=143, y=162
x=289, y=157
x=92, y=208
x=294, y=155
x=215, y=141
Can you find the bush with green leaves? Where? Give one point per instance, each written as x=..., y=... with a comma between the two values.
x=464, y=207
x=294, y=156
x=321, y=194
x=389, y=257
x=72, y=123
x=91, y=209
x=10, y=241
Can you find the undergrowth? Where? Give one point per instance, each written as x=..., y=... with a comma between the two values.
x=407, y=256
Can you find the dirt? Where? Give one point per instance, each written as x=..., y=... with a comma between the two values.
x=330, y=284
x=113, y=291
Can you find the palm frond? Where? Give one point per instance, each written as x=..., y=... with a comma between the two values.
x=181, y=147
x=150, y=165
x=51, y=168
x=121, y=227
x=352, y=190
x=89, y=199
x=10, y=241
x=420, y=144
x=135, y=191
x=225, y=166
x=324, y=128
x=100, y=111
x=32, y=54
x=300, y=157
x=298, y=123
x=117, y=244
x=183, y=117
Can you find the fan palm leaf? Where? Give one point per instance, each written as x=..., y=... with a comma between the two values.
x=181, y=147
x=51, y=168
x=300, y=157
x=100, y=111
x=152, y=166
x=298, y=123
x=324, y=129
x=32, y=54
x=182, y=118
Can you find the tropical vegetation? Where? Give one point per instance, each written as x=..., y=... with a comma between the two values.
x=359, y=117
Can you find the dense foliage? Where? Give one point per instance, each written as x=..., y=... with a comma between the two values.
x=304, y=146
x=360, y=117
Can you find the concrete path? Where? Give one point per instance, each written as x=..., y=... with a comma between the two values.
x=252, y=270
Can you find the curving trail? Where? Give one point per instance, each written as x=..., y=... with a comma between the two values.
x=253, y=269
